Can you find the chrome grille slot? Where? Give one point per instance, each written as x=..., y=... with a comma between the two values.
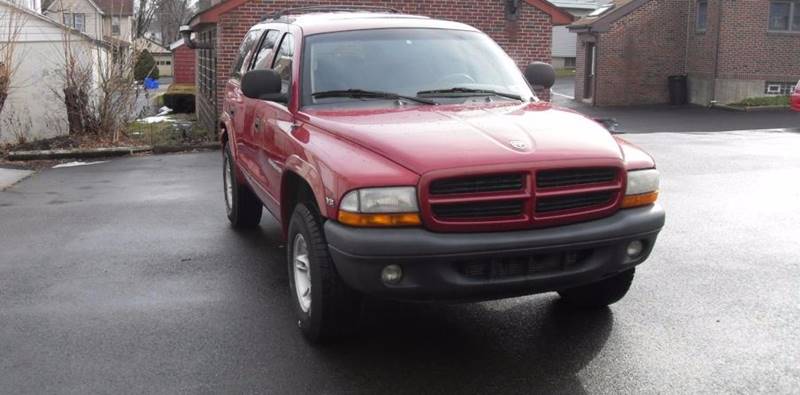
x=479, y=184
x=490, y=209
x=570, y=177
x=570, y=202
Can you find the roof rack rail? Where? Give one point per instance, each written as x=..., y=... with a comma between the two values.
x=332, y=8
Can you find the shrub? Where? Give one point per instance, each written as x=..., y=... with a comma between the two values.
x=145, y=66
x=763, y=101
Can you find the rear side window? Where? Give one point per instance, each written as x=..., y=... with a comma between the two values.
x=283, y=62
x=245, y=50
x=264, y=54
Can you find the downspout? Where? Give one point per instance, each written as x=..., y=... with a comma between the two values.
x=690, y=27
x=716, y=56
x=186, y=34
x=595, y=62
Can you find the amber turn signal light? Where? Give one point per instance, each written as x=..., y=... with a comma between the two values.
x=379, y=220
x=639, y=200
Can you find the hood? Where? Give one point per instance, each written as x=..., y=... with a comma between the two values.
x=426, y=138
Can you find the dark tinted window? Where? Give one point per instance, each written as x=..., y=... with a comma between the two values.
x=784, y=16
x=264, y=54
x=702, y=15
x=283, y=62
x=245, y=50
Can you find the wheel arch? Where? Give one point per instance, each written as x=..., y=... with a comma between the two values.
x=300, y=183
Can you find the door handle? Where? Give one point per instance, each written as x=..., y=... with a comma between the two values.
x=257, y=125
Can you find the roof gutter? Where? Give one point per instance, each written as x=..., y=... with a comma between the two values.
x=186, y=34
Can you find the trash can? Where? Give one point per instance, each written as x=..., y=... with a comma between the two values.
x=678, y=90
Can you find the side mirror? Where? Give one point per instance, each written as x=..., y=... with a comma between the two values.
x=540, y=75
x=263, y=85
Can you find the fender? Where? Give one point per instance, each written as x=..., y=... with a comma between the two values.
x=308, y=173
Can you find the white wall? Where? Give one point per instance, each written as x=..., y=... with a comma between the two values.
x=33, y=106
x=94, y=20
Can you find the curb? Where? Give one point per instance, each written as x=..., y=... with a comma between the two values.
x=750, y=109
x=104, y=152
x=166, y=149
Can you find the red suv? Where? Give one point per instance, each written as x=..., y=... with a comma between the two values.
x=409, y=158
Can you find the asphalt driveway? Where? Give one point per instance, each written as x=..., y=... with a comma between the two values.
x=124, y=277
x=669, y=119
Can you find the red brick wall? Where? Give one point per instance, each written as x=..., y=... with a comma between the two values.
x=526, y=40
x=183, y=65
x=639, y=52
x=702, y=46
x=750, y=51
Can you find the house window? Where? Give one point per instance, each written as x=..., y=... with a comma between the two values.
x=75, y=21
x=702, y=15
x=569, y=63
x=79, y=22
x=784, y=16
x=115, y=26
x=772, y=88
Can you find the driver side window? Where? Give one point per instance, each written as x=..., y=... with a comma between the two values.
x=283, y=63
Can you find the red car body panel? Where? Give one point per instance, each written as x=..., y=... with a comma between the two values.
x=795, y=98
x=337, y=151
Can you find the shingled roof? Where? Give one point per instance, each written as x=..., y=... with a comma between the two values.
x=116, y=7
x=616, y=9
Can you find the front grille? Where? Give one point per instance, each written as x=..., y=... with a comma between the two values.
x=478, y=210
x=480, y=184
x=569, y=202
x=520, y=266
x=520, y=197
x=569, y=177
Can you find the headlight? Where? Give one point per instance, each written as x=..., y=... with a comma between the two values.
x=394, y=206
x=642, y=188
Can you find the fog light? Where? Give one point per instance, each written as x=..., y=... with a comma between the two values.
x=635, y=248
x=392, y=274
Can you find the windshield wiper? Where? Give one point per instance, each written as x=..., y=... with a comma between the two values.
x=364, y=94
x=469, y=92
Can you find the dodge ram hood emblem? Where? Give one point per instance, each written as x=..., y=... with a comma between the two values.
x=519, y=145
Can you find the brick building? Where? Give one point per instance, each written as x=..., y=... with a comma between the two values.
x=522, y=27
x=183, y=59
x=729, y=49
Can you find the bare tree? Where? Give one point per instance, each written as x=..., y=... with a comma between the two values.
x=170, y=15
x=143, y=16
x=97, y=87
x=12, y=21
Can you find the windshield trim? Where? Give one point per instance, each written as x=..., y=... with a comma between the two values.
x=305, y=92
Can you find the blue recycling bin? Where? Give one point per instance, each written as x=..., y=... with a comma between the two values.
x=150, y=83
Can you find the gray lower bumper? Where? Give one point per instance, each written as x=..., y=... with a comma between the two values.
x=444, y=265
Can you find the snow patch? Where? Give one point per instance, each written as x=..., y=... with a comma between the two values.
x=75, y=164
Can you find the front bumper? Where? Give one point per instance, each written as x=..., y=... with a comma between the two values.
x=483, y=266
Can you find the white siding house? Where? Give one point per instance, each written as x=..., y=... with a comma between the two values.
x=564, y=42
x=101, y=19
x=33, y=106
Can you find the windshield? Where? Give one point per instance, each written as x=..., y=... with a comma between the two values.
x=408, y=62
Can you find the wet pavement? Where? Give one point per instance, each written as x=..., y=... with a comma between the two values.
x=665, y=118
x=124, y=277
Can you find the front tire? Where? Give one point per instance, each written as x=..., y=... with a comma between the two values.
x=601, y=293
x=325, y=306
x=241, y=204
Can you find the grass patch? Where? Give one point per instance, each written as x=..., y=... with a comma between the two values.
x=177, y=129
x=560, y=73
x=763, y=101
